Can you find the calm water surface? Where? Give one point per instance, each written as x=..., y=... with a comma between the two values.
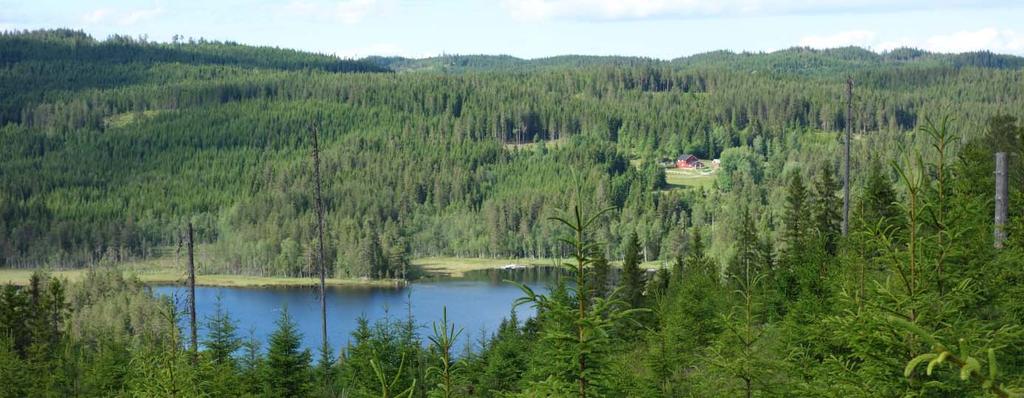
x=476, y=303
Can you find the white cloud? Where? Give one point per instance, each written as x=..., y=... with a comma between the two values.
x=96, y=16
x=382, y=49
x=861, y=38
x=640, y=9
x=344, y=11
x=990, y=38
x=136, y=16
x=997, y=40
x=121, y=17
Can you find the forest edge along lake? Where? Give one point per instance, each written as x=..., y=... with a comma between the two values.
x=477, y=302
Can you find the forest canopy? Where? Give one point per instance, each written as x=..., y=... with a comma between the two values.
x=111, y=146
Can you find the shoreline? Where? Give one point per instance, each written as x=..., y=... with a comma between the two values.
x=161, y=271
x=20, y=277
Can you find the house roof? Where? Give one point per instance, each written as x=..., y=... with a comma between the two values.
x=685, y=157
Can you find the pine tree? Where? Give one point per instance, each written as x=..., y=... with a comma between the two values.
x=222, y=339
x=879, y=201
x=678, y=267
x=697, y=262
x=632, y=275
x=746, y=247
x=288, y=369
x=599, y=276
x=795, y=217
x=442, y=341
x=795, y=254
x=827, y=219
x=252, y=365
x=12, y=369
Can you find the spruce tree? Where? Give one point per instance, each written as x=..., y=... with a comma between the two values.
x=222, y=339
x=827, y=219
x=697, y=262
x=879, y=201
x=288, y=369
x=632, y=275
x=599, y=276
x=795, y=254
x=746, y=247
x=795, y=217
x=678, y=267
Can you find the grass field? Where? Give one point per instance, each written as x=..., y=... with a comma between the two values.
x=551, y=144
x=458, y=266
x=690, y=177
x=164, y=270
x=124, y=119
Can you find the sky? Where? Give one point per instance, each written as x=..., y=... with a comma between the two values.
x=663, y=29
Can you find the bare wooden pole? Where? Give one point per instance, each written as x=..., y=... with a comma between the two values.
x=1001, y=202
x=846, y=156
x=320, y=235
x=192, y=293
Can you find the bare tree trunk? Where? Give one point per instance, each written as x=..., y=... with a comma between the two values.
x=320, y=235
x=846, y=156
x=1001, y=200
x=192, y=293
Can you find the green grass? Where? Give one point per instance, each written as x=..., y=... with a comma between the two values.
x=551, y=144
x=168, y=269
x=21, y=277
x=124, y=119
x=690, y=178
x=163, y=270
x=458, y=266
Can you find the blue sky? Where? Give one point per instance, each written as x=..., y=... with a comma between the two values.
x=537, y=28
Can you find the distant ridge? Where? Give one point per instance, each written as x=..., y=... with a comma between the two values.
x=794, y=60
x=72, y=45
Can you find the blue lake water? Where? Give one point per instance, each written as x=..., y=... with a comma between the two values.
x=477, y=304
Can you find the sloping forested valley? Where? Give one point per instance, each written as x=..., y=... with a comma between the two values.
x=108, y=149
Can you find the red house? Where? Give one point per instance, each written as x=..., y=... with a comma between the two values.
x=688, y=161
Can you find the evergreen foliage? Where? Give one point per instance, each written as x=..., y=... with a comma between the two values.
x=288, y=372
x=109, y=147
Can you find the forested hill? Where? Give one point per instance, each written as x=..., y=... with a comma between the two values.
x=797, y=60
x=69, y=45
x=109, y=148
x=49, y=65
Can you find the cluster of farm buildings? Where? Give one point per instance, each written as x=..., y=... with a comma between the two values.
x=688, y=161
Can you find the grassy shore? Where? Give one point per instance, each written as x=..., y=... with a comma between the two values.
x=458, y=266
x=168, y=271
x=164, y=270
x=21, y=277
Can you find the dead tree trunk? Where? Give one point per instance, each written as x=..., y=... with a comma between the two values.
x=1001, y=200
x=320, y=236
x=192, y=293
x=846, y=156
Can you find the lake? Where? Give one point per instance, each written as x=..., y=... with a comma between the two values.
x=476, y=303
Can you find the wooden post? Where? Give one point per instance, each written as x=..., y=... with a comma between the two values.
x=320, y=234
x=1001, y=200
x=192, y=293
x=846, y=156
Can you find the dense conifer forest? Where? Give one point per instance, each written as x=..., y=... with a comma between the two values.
x=109, y=148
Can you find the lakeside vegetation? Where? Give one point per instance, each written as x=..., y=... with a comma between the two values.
x=162, y=271
x=426, y=164
x=445, y=166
